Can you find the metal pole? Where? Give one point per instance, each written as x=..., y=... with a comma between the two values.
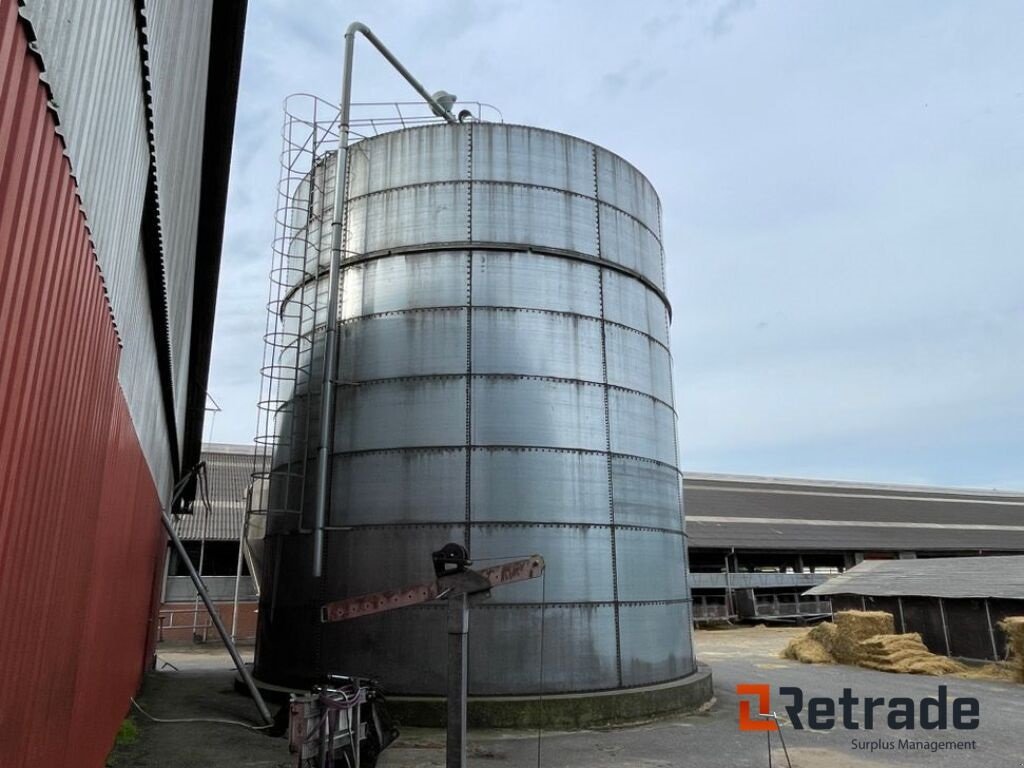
x=215, y=617
x=458, y=629
x=991, y=632
x=202, y=558
x=945, y=627
x=337, y=217
x=238, y=574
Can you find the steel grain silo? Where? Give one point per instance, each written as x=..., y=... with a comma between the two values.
x=504, y=380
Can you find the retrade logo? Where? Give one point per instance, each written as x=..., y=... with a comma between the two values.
x=822, y=713
x=763, y=695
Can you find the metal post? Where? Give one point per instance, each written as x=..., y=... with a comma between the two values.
x=238, y=576
x=728, y=590
x=202, y=559
x=458, y=628
x=337, y=218
x=903, y=621
x=991, y=632
x=945, y=627
x=215, y=617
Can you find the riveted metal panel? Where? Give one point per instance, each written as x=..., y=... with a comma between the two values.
x=401, y=414
x=407, y=648
x=536, y=344
x=302, y=310
x=640, y=426
x=534, y=216
x=636, y=361
x=516, y=153
x=537, y=412
x=403, y=158
x=655, y=643
x=563, y=486
x=408, y=216
x=621, y=185
x=576, y=560
x=646, y=493
x=409, y=486
x=371, y=559
x=536, y=281
x=416, y=343
x=403, y=282
x=629, y=302
x=579, y=649
x=625, y=241
x=527, y=359
x=651, y=565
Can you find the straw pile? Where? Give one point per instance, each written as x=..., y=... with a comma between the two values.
x=854, y=626
x=904, y=653
x=868, y=639
x=813, y=647
x=1013, y=626
x=829, y=642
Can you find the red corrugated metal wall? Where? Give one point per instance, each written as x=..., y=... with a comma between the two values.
x=80, y=535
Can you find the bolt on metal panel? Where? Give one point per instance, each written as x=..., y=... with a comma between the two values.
x=402, y=486
x=536, y=281
x=564, y=486
x=503, y=381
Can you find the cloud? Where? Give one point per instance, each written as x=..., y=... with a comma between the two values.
x=724, y=16
x=843, y=263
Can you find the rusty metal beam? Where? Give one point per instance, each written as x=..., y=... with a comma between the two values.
x=468, y=583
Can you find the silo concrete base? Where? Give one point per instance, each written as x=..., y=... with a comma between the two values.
x=570, y=711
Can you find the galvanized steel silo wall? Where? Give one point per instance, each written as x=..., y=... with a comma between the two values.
x=505, y=381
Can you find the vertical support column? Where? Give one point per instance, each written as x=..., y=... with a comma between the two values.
x=903, y=621
x=945, y=626
x=458, y=629
x=991, y=631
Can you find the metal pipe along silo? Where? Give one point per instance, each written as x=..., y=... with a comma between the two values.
x=504, y=380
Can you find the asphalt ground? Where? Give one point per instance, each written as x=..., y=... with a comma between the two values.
x=203, y=688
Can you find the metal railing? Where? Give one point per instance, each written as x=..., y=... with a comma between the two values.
x=711, y=608
x=791, y=605
x=197, y=622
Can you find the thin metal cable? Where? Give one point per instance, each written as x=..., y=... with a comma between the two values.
x=540, y=686
x=197, y=719
x=782, y=740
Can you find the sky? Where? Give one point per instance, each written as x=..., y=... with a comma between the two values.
x=842, y=187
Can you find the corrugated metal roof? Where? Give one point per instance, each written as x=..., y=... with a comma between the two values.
x=759, y=513
x=178, y=36
x=228, y=472
x=955, y=577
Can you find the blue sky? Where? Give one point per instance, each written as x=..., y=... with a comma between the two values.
x=843, y=196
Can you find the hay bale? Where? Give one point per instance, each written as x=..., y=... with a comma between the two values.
x=854, y=626
x=905, y=653
x=807, y=651
x=825, y=634
x=1013, y=626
